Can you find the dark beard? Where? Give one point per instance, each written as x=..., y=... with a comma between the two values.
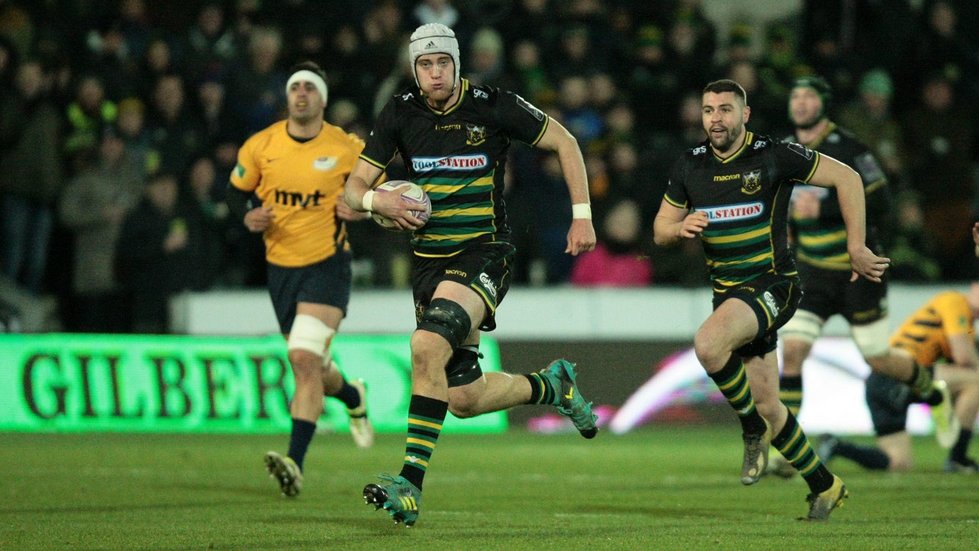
x=808, y=126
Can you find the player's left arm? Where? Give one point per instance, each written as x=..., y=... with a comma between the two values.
x=849, y=189
x=975, y=237
x=581, y=236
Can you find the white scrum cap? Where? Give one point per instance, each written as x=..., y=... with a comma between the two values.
x=434, y=38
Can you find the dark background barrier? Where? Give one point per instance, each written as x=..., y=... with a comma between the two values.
x=608, y=371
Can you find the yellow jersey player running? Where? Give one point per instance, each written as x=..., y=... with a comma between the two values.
x=297, y=168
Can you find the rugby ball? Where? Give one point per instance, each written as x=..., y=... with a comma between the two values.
x=412, y=192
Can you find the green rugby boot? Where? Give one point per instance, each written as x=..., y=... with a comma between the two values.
x=560, y=374
x=398, y=497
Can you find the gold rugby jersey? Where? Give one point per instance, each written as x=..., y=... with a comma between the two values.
x=302, y=182
x=925, y=333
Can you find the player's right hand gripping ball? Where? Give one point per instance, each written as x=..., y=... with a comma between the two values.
x=413, y=193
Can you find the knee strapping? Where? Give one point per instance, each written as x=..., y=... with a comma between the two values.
x=309, y=333
x=463, y=368
x=448, y=319
x=871, y=339
x=804, y=326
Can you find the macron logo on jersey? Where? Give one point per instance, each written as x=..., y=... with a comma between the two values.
x=455, y=162
x=733, y=213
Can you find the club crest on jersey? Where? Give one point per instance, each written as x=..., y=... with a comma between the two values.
x=733, y=213
x=751, y=182
x=475, y=134
x=325, y=163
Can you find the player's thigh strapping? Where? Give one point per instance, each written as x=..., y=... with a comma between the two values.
x=774, y=299
x=862, y=303
x=484, y=268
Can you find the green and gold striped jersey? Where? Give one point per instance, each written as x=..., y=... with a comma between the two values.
x=821, y=242
x=458, y=156
x=746, y=198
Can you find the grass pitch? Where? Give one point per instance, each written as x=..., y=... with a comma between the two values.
x=658, y=488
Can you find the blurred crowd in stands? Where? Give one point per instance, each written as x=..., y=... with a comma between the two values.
x=121, y=119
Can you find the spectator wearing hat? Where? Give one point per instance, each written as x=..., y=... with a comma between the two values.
x=870, y=118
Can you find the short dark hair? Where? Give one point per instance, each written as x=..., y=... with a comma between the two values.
x=308, y=66
x=727, y=85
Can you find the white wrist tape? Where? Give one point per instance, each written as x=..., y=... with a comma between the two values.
x=368, y=202
x=581, y=210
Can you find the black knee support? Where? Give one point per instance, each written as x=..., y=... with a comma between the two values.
x=448, y=319
x=463, y=368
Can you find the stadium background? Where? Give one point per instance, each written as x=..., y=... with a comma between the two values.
x=617, y=73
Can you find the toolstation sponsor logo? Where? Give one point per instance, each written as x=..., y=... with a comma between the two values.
x=456, y=162
x=731, y=213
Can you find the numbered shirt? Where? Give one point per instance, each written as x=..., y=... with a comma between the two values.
x=821, y=242
x=302, y=182
x=746, y=199
x=925, y=333
x=458, y=156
